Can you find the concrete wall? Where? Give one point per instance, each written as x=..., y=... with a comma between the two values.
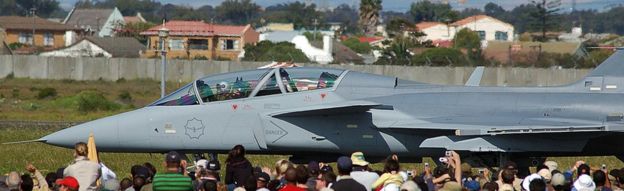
x=87, y=68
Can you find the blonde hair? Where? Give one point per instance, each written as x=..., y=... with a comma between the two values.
x=281, y=166
x=81, y=149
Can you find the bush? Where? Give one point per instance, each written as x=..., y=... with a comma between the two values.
x=440, y=57
x=89, y=101
x=357, y=46
x=125, y=97
x=46, y=93
x=200, y=57
x=10, y=76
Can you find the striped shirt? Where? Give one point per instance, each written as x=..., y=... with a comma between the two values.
x=172, y=182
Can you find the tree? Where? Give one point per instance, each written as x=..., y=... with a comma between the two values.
x=428, y=11
x=298, y=13
x=238, y=12
x=545, y=15
x=369, y=15
x=268, y=51
x=345, y=15
x=494, y=10
x=397, y=26
x=470, y=41
x=134, y=30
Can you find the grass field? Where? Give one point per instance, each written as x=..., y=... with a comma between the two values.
x=20, y=100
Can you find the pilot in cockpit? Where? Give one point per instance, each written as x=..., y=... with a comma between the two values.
x=288, y=83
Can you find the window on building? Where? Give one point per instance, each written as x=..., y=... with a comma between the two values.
x=501, y=35
x=198, y=44
x=176, y=44
x=48, y=39
x=25, y=38
x=229, y=44
x=481, y=35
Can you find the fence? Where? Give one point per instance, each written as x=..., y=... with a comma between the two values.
x=87, y=68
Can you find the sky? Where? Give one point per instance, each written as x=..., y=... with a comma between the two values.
x=398, y=5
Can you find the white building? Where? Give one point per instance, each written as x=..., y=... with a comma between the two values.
x=97, y=22
x=487, y=27
x=108, y=47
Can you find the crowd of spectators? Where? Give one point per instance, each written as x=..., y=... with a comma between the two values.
x=352, y=174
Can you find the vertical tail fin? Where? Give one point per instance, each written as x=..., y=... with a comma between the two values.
x=612, y=66
x=608, y=77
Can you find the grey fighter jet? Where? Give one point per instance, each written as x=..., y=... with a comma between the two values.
x=320, y=113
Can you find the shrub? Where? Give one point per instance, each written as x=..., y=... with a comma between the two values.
x=10, y=76
x=125, y=97
x=89, y=101
x=46, y=93
x=200, y=57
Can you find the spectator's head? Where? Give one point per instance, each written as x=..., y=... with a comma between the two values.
x=151, y=168
x=69, y=184
x=583, y=169
x=511, y=165
x=552, y=165
x=110, y=185
x=537, y=185
x=51, y=179
x=472, y=185
x=302, y=174
x=13, y=181
x=138, y=182
x=326, y=169
x=237, y=153
x=545, y=174
x=420, y=181
x=558, y=181
x=391, y=166
x=600, y=178
x=526, y=183
x=614, y=176
x=250, y=183
x=451, y=186
x=508, y=176
x=324, y=180
x=291, y=175
x=409, y=186
x=262, y=180
x=314, y=168
x=584, y=183
x=27, y=183
x=81, y=149
x=172, y=161
x=344, y=165
x=125, y=184
x=209, y=186
x=358, y=159
x=490, y=186
x=281, y=166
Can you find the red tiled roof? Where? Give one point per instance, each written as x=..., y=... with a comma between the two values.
x=474, y=18
x=370, y=39
x=197, y=28
x=424, y=25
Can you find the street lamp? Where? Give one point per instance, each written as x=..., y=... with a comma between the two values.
x=163, y=33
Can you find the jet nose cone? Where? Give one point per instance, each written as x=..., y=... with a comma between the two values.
x=104, y=131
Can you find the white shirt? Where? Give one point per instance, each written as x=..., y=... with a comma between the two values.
x=365, y=178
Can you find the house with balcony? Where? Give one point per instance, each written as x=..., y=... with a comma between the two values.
x=200, y=40
x=32, y=34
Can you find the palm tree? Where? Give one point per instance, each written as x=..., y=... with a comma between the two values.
x=369, y=15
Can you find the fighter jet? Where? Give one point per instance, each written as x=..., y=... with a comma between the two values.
x=320, y=113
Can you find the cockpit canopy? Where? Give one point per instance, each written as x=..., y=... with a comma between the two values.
x=251, y=83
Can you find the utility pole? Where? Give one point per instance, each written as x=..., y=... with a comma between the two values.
x=32, y=13
x=315, y=26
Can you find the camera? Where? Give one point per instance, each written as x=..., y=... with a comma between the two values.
x=604, y=167
x=426, y=164
x=481, y=171
x=447, y=153
x=409, y=173
x=443, y=160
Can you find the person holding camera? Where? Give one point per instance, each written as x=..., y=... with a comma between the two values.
x=391, y=180
x=448, y=176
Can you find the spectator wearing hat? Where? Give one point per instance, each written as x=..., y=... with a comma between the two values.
x=262, y=180
x=361, y=173
x=552, y=165
x=584, y=183
x=344, y=181
x=290, y=175
x=69, y=183
x=206, y=171
x=172, y=179
x=314, y=169
x=85, y=171
x=558, y=182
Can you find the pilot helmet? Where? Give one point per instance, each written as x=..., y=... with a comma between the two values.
x=222, y=86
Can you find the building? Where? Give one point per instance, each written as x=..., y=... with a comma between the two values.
x=196, y=39
x=488, y=28
x=135, y=19
x=502, y=51
x=47, y=34
x=95, y=22
x=108, y=47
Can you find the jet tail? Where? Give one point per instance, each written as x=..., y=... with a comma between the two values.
x=608, y=77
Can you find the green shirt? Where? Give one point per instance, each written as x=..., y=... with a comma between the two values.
x=172, y=182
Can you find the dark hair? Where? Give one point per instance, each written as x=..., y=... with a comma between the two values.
x=151, y=168
x=250, y=183
x=440, y=170
x=302, y=174
x=490, y=186
x=541, y=166
x=134, y=169
x=600, y=178
x=51, y=179
x=420, y=182
x=27, y=183
x=583, y=169
x=391, y=165
x=209, y=185
x=328, y=177
x=291, y=175
x=508, y=176
x=537, y=184
x=236, y=154
x=125, y=183
x=138, y=182
x=273, y=185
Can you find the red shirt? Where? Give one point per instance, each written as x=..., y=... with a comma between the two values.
x=290, y=187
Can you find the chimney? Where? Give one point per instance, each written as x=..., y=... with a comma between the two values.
x=327, y=45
